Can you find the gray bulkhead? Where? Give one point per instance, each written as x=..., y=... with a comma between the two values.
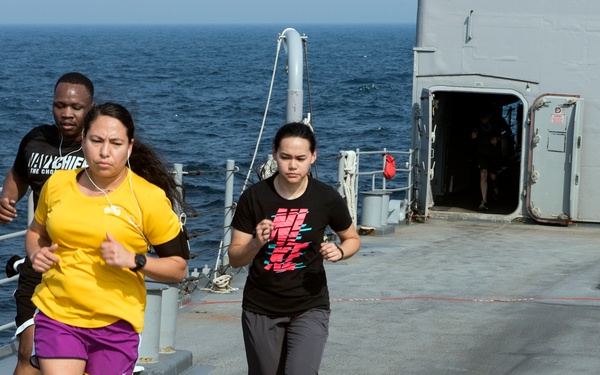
x=537, y=62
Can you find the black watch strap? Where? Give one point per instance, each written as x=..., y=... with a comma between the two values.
x=140, y=262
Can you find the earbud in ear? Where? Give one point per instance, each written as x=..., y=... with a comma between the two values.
x=128, y=154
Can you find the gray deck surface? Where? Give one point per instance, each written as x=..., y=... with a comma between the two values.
x=440, y=297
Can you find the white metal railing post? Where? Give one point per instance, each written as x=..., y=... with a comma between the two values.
x=230, y=167
x=356, y=180
x=168, y=318
x=382, y=175
x=148, y=349
x=409, y=178
x=292, y=43
x=179, y=181
x=341, y=174
x=30, y=209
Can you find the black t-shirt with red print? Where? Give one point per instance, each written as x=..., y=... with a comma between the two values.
x=287, y=276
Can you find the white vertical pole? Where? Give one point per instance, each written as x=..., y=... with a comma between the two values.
x=228, y=207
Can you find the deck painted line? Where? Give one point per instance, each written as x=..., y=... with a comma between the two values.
x=426, y=298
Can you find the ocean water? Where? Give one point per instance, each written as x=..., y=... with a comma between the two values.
x=198, y=95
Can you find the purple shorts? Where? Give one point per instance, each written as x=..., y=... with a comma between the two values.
x=108, y=350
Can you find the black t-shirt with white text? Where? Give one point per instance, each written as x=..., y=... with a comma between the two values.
x=41, y=154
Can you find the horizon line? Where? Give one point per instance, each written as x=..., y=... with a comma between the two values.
x=208, y=24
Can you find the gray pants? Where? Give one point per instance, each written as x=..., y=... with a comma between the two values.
x=285, y=345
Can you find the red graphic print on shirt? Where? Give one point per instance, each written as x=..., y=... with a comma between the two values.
x=284, y=247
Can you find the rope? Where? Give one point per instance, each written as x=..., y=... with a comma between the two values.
x=221, y=284
x=307, y=76
x=309, y=96
x=350, y=183
x=262, y=127
x=270, y=166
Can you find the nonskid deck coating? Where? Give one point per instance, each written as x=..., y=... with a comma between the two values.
x=440, y=297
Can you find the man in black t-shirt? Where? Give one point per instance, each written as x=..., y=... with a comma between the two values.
x=42, y=151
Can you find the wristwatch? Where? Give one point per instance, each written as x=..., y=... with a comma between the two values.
x=140, y=262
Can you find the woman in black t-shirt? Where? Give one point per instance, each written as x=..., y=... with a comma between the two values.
x=279, y=227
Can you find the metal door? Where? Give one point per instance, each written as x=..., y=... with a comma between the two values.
x=425, y=134
x=554, y=158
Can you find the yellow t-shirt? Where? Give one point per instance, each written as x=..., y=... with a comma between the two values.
x=81, y=290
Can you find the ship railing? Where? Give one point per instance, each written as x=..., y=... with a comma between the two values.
x=357, y=164
x=9, y=236
x=222, y=263
x=210, y=274
x=8, y=280
x=164, y=299
x=194, y=277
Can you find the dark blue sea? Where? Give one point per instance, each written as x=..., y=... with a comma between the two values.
x=199, y=94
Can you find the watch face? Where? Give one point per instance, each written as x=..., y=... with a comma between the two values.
x=140, y=260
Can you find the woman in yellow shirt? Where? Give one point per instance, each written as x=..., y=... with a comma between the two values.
x=92, y=229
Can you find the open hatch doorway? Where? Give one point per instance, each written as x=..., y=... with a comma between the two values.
x=456, y=185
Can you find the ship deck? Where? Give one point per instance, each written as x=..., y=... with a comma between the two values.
x=441, y=297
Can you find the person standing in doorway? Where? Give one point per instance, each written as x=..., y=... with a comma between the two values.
x=279, y=228
x=488, y=133
x=44, y=150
